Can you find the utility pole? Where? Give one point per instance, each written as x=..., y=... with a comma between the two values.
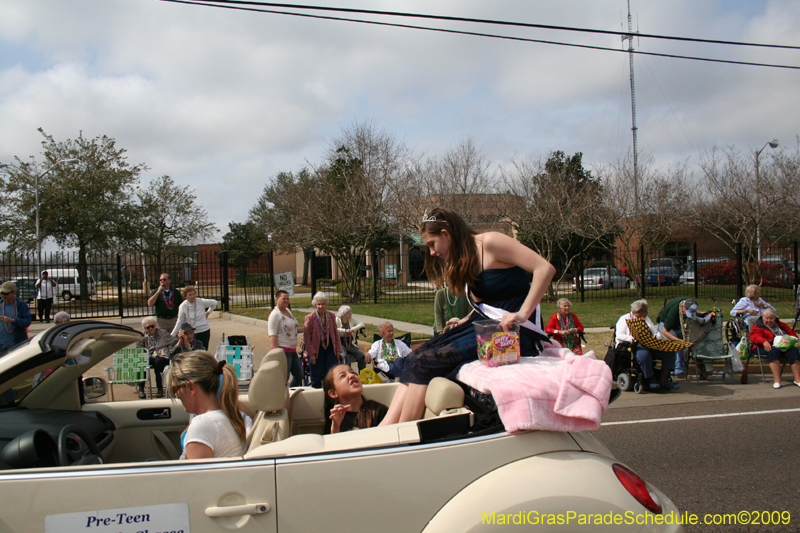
x=629, y=38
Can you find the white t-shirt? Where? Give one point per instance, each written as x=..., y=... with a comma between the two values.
x=376, y=352
x=45, y=287
x=283, y=327
x=213, y=429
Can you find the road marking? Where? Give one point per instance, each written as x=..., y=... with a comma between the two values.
x=699, y=417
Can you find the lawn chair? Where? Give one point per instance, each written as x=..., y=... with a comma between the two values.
x=239, y=356
x=708, y=345
x=129, y=366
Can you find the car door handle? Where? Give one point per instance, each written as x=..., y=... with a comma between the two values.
x=238, y=510
x=163, y=414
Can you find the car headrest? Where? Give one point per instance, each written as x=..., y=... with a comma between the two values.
x=443, y=394
x=276, y=354
x=268, y=387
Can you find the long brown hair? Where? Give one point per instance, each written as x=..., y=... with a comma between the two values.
x=204, y=371
x=462, y=267
x=367, y=413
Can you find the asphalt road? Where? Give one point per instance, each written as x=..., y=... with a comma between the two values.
x=715, y=465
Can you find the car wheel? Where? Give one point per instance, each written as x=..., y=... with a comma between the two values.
x=624, y=381
x=66, y=296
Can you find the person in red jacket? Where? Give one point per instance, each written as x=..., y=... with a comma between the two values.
x=565, y=327
x=762, y=334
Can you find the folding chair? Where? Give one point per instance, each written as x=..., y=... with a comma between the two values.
x=128, y=366
x=240, y=358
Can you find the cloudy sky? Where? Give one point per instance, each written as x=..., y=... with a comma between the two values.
x=222, y=100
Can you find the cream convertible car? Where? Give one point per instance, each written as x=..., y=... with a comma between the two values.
x=113, y=468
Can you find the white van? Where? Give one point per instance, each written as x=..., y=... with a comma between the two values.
x=69, y=283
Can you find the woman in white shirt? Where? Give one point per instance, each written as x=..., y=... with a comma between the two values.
x=388, y=353
x=644, y=356
x=218, y=429
x=195, y=312
x=283, y=328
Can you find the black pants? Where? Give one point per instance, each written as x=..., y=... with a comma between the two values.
x=159, y=364
x=43, y=306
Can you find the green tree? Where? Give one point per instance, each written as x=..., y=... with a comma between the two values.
x=165, y=217
x=244, y=243
x=81, y=206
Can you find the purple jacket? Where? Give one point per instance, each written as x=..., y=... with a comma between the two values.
x=312, y=336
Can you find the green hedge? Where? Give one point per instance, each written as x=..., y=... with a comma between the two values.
x=256, y=280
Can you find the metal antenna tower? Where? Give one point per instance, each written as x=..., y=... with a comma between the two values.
x=629, y=37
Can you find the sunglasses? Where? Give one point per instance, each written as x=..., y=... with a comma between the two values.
x=163, y=279
x=150, y=327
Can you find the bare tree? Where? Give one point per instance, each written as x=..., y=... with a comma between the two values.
x=732, y=207
x=651, y=219
x=556, y=209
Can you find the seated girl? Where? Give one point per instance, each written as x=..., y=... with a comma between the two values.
x=217, y=429
x=348, y=409
x=388, y=353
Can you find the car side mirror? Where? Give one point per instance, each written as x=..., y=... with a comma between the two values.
x=94, y=388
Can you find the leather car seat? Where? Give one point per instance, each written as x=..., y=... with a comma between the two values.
x=442, y=395
x=269, y=396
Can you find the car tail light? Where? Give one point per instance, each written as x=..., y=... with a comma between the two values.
x=638, y=488
x=599, y=281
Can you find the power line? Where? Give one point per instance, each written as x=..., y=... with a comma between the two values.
x=496, y=22
x=488, y=35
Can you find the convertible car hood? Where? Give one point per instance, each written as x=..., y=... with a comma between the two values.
x=53, y=346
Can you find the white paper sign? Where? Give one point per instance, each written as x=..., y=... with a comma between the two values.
x=167, y=518
x=284, y=281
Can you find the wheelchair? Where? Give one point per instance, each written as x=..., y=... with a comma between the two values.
x=625, y=370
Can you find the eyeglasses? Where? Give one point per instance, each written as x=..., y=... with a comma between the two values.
x=164, y=279
x=177, y=388
x=150, y=327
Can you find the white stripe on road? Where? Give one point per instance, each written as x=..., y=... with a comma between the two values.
x=699, y=417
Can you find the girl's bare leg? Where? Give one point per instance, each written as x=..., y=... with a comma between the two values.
x=414, y=402
x=393, y=414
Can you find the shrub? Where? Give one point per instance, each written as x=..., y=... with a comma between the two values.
x=764, y=274
x=256, y=280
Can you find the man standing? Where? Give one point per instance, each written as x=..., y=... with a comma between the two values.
x=166, y=300
x=44, y=298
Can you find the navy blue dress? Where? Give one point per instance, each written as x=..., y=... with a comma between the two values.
x=441, y=356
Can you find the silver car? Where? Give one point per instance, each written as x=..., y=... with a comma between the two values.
x=599, y=278
x=112, y=466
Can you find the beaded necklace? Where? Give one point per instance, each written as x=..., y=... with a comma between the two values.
x=323, y=327
x=167, y=296
x=389, y=351
x=285, y=329
x=451, y=306
x=565, y=323
x=9, y=327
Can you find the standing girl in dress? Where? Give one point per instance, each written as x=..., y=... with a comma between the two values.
x=494, y=268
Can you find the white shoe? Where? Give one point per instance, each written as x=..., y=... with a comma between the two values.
x=776, y=385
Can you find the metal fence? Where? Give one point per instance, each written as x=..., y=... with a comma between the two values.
x=118, y=285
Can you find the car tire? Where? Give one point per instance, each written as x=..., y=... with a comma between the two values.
x=637, y=387
x=66, y=296
x=624, y=381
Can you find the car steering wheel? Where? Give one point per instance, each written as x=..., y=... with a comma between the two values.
x=94, y=457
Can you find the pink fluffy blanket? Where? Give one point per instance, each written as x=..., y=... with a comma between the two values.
x=555, y=391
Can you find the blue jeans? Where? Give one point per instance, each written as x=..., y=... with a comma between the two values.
x=680, y=361
x=294, y=369
x=326, y=360
x=645, y=358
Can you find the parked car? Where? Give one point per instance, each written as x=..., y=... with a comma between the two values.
x=69, y=283
x=70, y=466
x=687, y=278
x=597, y=278
x=26, y=289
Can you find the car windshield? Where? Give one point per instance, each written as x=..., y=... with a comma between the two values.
x=594, y=271
x=18, y=390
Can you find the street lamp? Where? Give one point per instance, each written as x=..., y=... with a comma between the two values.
x=36, y=185
x=772, y=144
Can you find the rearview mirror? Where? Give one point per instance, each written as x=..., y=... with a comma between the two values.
x=94, y=388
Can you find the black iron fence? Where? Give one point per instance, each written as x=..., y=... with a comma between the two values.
x=118, y=285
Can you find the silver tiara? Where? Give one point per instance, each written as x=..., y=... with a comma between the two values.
x=431, y=218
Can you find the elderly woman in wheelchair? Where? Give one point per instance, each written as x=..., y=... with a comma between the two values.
x=645, y=356
x=763, y=334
